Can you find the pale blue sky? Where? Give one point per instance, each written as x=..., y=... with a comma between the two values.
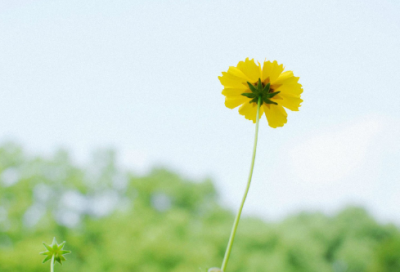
x=142, y=77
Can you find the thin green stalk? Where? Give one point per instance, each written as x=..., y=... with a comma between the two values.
x=236, y=223
x=52, y=264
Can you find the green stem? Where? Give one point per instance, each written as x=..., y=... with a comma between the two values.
x=52, y=264
x=236, y=223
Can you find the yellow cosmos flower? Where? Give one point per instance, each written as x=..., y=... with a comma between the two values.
x=249, y=82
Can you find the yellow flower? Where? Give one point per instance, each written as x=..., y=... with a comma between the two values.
x=248, y=82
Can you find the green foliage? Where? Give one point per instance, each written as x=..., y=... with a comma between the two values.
x=117, y=221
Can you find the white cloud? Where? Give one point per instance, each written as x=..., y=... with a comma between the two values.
x=335, y=153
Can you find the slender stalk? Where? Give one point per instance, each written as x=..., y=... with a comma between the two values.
x=236, y=222
x=52, y=264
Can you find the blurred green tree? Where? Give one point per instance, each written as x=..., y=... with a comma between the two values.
x=114, y=220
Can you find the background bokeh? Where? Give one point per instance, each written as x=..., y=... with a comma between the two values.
x=116, y=221
x=139, y=79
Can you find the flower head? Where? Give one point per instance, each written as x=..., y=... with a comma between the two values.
x=56, y=250
x=249, y=82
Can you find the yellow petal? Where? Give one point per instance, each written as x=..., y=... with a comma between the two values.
x=288, y=101
x=290, y=90
x=235, y=91
x=276, y=115
x=238, y=73
x=250, y=69
x=284, y=76
x=249, y=110
x=288, y=84
x=287, y=78
x=266, y=71
x=233, y=102
x=271, y=71
x=230, y=81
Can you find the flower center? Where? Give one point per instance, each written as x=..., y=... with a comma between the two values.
x=261, y=90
